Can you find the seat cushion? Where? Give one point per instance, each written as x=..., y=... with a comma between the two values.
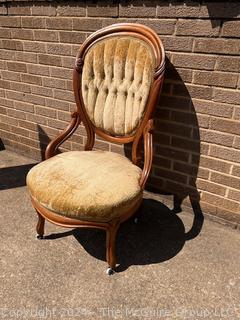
x=86, y=185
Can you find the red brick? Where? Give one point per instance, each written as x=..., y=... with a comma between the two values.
x=228, y=64
x=221, y=79
x=48, y=112
x=185, y=144
x=167, y=10
x=193, y=91
x=225, y=125
x=236, y=171
x=59, y=23
x=45, y=92
x=4, y=84
x=26, y=56
x=38, y=70
x=171, y=153
x=14, y=22
x=27, y=107
x=188, y=27
x=236, y=143
x=87, y=24
x=72, y=37
x=12, y=44
x=229, y=154
x=231, y=29
x=218, y=46
x=193, y=61
x=16, y=114
x=34, y=46
x=28, y=78
x=9, y=75
x=226, y=180
x=211, y=187
x=46, y=35
x=184, y=44
x=170, y=175
x=22, y=87
x=107, y=9
x=213, y=108
x=226, y=96
x=137, y=9
x=234, y=195
x=33, y=22
x=7, y=54
x=17, y=66
x=6, y=102
x=72, y=9
x=43, y=9
x=59, y=49
x=61, y=73
x=63, y=95
x=54, y=83
x=49, y=60
x=215, y=164
x=36, y=119
x=5, y=33
x=217, y=137
x=22, y=34
x=57, y=104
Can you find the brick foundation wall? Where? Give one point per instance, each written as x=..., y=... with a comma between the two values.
x=197, y=137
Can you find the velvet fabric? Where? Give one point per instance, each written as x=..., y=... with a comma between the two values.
x=116, y=80
x=86, y=185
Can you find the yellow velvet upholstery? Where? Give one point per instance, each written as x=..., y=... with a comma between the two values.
x=116, y=80
x=86, y=185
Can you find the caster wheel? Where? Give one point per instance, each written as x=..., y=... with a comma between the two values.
x=109, y=271
x=39, y=237
x=136, y=220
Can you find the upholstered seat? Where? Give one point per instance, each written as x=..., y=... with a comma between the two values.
x=86, y=185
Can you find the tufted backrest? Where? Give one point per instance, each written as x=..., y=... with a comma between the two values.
x=116, y=80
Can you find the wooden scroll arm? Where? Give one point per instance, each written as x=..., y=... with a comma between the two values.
x=64, y=135
x=148, y=152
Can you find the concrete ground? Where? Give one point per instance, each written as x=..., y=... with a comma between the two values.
x=171, y=266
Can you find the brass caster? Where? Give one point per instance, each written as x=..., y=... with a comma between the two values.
x=109, y=271
x=40, y=237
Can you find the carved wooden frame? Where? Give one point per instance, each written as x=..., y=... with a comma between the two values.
x=144, y=131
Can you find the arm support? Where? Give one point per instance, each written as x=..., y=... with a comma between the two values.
x=148, y=152
x=54, y=144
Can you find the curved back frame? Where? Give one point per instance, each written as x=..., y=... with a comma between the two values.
x=141, y=33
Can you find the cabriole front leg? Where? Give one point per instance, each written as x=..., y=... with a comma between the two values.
x=110, y=248
x=40, y=226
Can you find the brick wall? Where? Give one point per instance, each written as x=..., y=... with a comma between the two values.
x=197, y=138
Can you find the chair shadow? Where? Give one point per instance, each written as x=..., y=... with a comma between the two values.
x=159, y=236
x=13, y=177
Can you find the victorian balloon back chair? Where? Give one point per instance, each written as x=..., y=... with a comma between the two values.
x=117, y=79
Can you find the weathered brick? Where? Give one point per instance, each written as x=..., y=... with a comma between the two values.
x=3, y=9
x=17, y=66
x=187, y=27
x=37, y=69
x=193, y=61
x=33, y=22
x=225, y=125
x=16, y=114
x=34, y=46
x=57, y=104
x=72, y=9
x=63, y=95
x=24, y=106
x=193, y=91
x=184, y=44
x=62, y=73
x=137, y=9
x=72, y=37
x=87, y=24
x=234, y=194
x=59, y=23
x=167, y=10
x=231, y=29
x=28, y=78
x=213, y=108
x=26, y=56
x=46, y=35
x=211, y=187
x=49, y=60
x=229, y=154
x=45, y=92
x=43, y=9
x=22, y=34
x=224, y=46
x=217, y=137
x=14, y=22
x=215, y=164
x=218, y=79
x=19, y=9
x=54, y=83
x=59, y=49
x=226, y=96
x=12, y=44
x=18, y=86
x=48, y=112
x=5, y=33
x=107, y=9
x=9, y=75
x=226, y=180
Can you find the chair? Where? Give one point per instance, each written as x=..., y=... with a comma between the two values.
x=117, y=79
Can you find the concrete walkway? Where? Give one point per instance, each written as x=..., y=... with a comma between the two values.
x=170, y=267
